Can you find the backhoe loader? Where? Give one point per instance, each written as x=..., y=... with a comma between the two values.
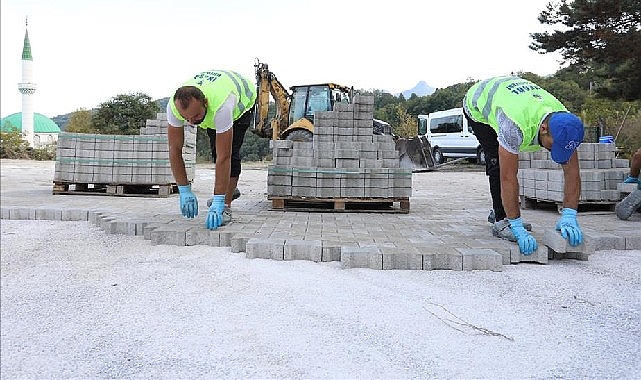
x=293, y=117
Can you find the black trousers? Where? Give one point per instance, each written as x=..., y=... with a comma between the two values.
x=239, y=128
x=489, y=142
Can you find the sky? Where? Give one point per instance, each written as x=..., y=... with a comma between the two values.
x=86, y=52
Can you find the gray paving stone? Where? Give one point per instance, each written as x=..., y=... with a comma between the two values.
x=310, y=250
x=481, y=259
x=633, y=242
x=22, y=214
x=74, y=215
x=405, y=258
x=238, y=242
x=361, y=257
x=331, y=251
x=443, y=260
x=168, y=235
x=202, y=236
x=541, y=255
x=257, y=248
x=48, y=214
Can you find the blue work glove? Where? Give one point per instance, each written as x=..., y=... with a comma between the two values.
x=631, y=179
x=527, y=242
x=569, y=227
x=215, y=214
x=188, y=202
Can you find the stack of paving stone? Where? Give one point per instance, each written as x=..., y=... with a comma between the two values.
x=122, y=159
x=344, y=160
x=541, y=179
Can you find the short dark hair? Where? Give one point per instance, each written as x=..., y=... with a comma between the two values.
x=184, y=94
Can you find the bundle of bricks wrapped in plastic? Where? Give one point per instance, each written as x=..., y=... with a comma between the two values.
x=541, y=179
x=121, y=164
x=344, y=164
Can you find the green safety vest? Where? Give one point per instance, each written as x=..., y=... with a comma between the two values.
x=217, y=85
x=524, y=102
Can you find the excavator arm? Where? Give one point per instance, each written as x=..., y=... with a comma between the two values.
x=267, y=84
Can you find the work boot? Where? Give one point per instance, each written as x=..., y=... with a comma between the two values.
x=226, y=216
x=491, y=218
x=628, y=205
x=236, y=194
x=501, y=229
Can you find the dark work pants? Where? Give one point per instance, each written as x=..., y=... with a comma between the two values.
x=489, y=141
x=239, y=127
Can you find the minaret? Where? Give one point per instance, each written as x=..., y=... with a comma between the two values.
x=27, y=89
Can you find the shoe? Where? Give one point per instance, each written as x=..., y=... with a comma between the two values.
x=236, y=194
x=226, y=216
x=492, y=219
x=501, y=229
x=628, y=205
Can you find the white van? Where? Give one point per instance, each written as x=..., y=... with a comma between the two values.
x=450, y=136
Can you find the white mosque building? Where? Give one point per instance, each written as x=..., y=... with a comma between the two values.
x=37, y=129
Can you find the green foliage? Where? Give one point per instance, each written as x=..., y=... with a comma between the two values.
x=80, y=122
x=602, y=37
x=13, y=146
x=124, y=114
x=254, y=148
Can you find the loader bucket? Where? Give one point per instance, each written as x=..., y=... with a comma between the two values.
x=415, y=153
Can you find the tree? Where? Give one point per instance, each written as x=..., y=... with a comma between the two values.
x=124, y=114
x=599, y=36
x=80, y=122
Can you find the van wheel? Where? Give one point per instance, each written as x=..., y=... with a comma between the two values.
x=480, y=156
x=438, y=156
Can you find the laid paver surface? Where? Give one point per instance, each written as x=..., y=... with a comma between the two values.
x=448, y=211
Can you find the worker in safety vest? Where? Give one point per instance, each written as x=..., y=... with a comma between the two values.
x=222, y=102
x=509, y=115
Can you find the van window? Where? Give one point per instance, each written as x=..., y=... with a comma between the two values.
x=422, y=126
x=447, y=124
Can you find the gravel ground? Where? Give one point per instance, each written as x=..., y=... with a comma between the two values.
x=78, y=303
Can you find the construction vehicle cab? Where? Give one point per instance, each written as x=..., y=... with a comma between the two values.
x=293, y=118
x=306, y=101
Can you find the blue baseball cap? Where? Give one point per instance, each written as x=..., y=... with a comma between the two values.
x=567, y=131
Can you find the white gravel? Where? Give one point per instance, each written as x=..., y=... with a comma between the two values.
x=78, y=303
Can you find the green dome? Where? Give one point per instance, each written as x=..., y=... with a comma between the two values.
x=41, y=123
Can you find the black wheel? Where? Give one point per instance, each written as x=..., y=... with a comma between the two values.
x=438, y=156
x=300, y=135
x=480, y=156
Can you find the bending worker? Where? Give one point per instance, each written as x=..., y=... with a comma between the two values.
x=509, y=115
x=222, y=102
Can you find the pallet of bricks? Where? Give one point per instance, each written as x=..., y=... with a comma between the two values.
x=122, y=165
x=345, y=168
x=541, y=179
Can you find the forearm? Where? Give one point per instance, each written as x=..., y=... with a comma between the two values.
x=510, y=196
x=178, y=168
x=223, y=171
x=572, y=183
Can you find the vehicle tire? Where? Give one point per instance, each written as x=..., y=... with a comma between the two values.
x=480, y=156
x=300, y=135
x=438, y=156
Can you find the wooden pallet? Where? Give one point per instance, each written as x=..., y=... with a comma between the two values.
x=123, y=190
x=528, y=203
x=377, y=205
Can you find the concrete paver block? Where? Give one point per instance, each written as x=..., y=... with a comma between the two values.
x=481, y=259
x=22, y=214
x=443, y=260
x=166, y=235
x=401, y=258
x=258, y=248
x=238, y=242
x=633, y=242
x=310, y=250
x=541, y=255
x=361, y=257
x=560, y=248
x=48, y=214
x=202, y=236
x=331, y=251
x=74, y=215
x=605, y=240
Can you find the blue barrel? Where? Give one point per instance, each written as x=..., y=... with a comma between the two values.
x=606, y=140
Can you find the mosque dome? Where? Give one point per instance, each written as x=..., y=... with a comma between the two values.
x=41, y=123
